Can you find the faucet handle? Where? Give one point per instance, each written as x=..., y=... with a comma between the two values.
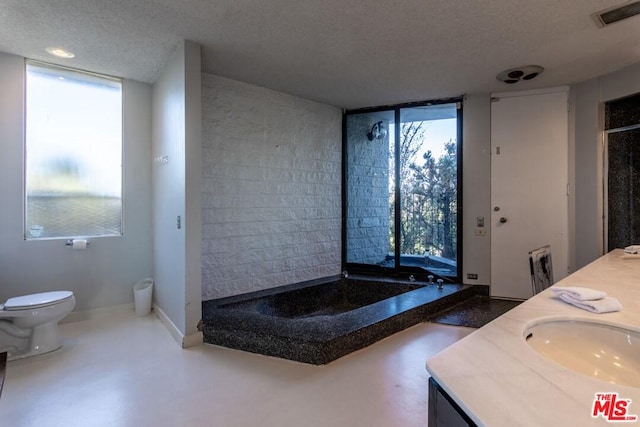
x=430, y=277
x=439, y=283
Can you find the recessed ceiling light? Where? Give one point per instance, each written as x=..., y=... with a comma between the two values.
x=60, y=52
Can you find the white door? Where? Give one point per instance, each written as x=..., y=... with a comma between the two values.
x=529, y=178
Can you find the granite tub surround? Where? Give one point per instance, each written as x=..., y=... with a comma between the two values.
x=474, y=312
x=319, y=321
x=497, y=379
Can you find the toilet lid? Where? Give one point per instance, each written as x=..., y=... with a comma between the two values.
x=36, y=300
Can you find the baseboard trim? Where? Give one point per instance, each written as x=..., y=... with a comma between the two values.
x=193, y=339
x=185, y=341
x=97, y=313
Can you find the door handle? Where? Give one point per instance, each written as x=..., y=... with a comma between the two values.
x=503, y=220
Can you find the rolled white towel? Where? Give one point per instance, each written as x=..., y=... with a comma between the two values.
x=604, y=305
x=578, y=293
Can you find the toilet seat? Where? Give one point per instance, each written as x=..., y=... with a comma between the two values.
x=43, y=299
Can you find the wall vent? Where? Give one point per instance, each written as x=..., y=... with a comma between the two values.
x=617, y=13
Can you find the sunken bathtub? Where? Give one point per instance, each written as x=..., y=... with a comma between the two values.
x=319, y=321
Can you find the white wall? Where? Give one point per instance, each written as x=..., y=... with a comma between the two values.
x=104, y=274
x=589, y=122
x=193, y=180
x=271, y=208
x=476, y=187
x=585, y=166
x=176, y=192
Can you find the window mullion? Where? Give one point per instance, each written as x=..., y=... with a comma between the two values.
x=397, y=208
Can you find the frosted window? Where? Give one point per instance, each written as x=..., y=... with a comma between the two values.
x=73, y=153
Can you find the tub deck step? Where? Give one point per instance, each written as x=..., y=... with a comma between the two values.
x=321, y=339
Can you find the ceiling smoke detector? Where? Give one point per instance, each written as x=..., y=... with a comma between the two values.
x=616, y=13
x=514, y=75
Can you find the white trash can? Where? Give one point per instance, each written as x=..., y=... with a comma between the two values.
x=142, y=293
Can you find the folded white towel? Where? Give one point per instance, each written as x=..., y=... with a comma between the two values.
x=604, y=305
x=578, y=293
x=633, y=249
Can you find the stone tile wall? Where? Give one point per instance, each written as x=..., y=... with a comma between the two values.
x=271, y=188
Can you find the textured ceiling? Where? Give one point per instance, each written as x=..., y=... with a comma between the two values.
x=348, y=53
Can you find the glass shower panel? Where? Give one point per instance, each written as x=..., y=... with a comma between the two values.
x=428, y=187
x=622, y=175
x=623, y=182
x=370, y=172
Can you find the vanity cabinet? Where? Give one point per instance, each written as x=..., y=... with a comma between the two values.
x=443, y=411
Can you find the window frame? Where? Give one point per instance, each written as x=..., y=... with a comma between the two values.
x=26, y=236
x=398, y=268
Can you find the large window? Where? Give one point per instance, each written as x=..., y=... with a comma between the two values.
x=402, y=197
x=73, y=153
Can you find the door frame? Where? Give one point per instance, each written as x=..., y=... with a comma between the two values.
x=565, y=266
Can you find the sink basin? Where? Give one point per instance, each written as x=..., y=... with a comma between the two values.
x=602, y=351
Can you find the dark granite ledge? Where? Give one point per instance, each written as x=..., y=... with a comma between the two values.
x=474, y=312
x=235, y=322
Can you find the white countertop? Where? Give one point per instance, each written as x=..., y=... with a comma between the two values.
x=498, y=380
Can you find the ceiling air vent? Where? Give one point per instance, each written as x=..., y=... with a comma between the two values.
x=514, y=75
x=617, y=13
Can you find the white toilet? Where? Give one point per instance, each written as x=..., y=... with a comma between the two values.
x=29, y=324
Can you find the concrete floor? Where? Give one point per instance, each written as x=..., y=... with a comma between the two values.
x=124, y=370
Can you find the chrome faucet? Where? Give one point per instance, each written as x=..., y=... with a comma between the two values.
x=412, y=278
x=345, y=274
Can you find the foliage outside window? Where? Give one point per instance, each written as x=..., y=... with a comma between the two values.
x=428, y=194
x=73, y=153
